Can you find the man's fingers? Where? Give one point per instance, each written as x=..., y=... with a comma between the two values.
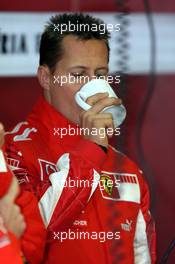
x=100, y=120
x=107, y=123
x=91, y=100
x=90, y=116
x=95, y=118
x=100, y=105
x=100, y=116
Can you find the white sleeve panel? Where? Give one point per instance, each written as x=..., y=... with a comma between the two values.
x=51, y=197
x=141, y=249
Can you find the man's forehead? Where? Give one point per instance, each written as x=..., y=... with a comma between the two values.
x=77, y=52
x=73, y=44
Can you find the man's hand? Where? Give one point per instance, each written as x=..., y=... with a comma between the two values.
x=94, y=119
x=16, y=222
x=10, y=212
x=1, y=135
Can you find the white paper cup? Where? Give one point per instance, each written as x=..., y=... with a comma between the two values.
x=100, y=86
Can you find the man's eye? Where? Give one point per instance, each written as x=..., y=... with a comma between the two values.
x=77, y=74
x=101, y=76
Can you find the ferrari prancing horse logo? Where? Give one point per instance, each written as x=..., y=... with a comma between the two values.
x=107, y=183
x=120, y=187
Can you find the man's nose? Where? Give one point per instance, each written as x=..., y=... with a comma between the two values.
x=92, y=76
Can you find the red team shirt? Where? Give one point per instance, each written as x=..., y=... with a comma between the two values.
x=87, y=221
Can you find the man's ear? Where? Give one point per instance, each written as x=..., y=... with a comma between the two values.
x=43, y=74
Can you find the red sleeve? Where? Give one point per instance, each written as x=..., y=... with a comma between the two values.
x=34, y=238
x=9, y=249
